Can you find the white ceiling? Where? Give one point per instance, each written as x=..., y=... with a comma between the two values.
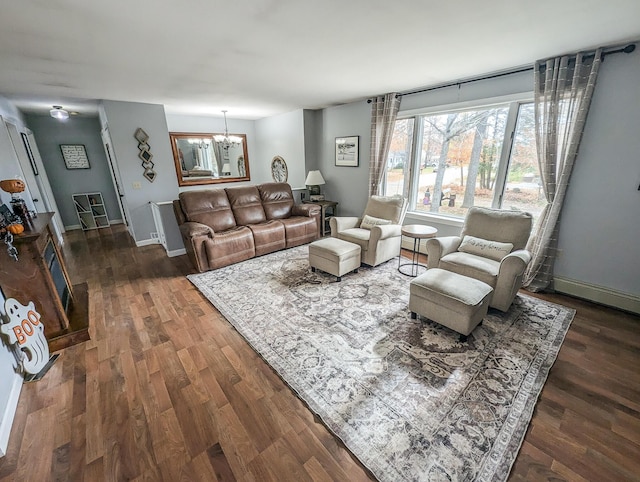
x=258, y=58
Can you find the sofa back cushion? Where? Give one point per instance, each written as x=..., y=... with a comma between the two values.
x=246, y=205
x=210, y=207
x=498, y=225
x=277, y=199
x=391, y=208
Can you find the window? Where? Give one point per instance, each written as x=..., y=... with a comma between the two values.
x=485, y=156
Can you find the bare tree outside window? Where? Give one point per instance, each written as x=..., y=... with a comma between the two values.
x=458, y=161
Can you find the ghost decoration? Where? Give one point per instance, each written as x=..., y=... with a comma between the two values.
x=26, y=330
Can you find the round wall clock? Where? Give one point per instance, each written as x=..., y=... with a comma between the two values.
x=279, y=170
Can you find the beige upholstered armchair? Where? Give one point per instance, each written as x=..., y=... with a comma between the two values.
x=491, y=248
x=377, y=232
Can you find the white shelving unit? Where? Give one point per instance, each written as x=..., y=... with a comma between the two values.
x=91, y=210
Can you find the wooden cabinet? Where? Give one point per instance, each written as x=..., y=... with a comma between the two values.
x=40, y=276
x=91, y=210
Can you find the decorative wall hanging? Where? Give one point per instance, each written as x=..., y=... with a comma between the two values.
x=25, y=330
x=145, y=154
x=279, y=171
x=347, y=151
x=75, y=156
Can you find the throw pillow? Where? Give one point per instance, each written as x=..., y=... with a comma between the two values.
x=369, y=222
x=483, y=247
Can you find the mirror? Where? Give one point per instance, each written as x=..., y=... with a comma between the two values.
x=209, y=158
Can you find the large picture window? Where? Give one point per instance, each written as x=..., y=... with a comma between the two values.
x=449, y=161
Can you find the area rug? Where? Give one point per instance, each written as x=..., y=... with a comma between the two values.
x=406, y=397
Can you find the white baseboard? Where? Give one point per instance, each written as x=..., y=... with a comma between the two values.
x=407, y=243
x=176, y=252
x=9, y=413
x=597, y=294
x=147, y=242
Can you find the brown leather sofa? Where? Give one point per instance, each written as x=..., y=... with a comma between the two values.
x=224, y=226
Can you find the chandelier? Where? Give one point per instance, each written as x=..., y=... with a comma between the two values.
x=226, y=140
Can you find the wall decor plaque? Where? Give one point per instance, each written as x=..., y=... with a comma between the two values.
x=75, y=156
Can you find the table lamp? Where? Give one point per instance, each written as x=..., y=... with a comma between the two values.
x=226, y=169
x=314, y=181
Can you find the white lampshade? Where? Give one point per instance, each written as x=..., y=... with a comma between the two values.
x=314, y=178
x=226, y=169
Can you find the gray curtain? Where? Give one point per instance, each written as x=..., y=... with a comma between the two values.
x=563, y=90
x=384, y=110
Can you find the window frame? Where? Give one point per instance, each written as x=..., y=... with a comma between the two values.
x=513, y=102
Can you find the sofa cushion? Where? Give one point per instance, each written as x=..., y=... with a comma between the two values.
x=484, y=247
x=210, y=207
x=358, y=236
x=477, y=267
x=246, y=205
x=268, y=237
x=389, y=207
x=231, y=246
x=498, y=225
x=277, y=199
x=299, y=230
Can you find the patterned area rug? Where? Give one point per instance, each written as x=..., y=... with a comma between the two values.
x=405, y=396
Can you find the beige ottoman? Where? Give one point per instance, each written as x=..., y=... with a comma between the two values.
x=455, y=301
x=334, y=256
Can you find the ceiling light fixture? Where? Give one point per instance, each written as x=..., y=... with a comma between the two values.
x=59, y=113
x=226, y=140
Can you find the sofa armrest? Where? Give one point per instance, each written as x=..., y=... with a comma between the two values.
x=307, y=210
x=440, y=247
x=515, y=263
x=339, y=224
x=194, y=230
x=385, y=231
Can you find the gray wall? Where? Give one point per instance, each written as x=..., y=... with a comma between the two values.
x=49, y=134
x=215, y=125
x=599, y=231
x=346, y=185
x=600, y=228
x=123, y=119
x=282, y=135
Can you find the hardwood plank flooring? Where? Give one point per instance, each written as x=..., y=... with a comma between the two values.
x=167, y=390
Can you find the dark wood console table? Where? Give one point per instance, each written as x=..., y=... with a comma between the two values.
x=40, y=275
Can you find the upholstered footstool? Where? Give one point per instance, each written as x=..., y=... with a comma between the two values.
x=452, y=300
x=334, y=256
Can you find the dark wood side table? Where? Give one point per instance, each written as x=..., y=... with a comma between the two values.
x=40, y=275
x=418, y=232
x=329, y=210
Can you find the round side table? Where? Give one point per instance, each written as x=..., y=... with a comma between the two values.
x=417, y=232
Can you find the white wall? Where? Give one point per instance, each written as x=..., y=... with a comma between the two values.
x=123, y=119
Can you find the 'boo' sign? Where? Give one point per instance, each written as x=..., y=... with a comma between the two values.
x=27, y=331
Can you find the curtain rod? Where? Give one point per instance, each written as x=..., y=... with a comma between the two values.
x=627, y=50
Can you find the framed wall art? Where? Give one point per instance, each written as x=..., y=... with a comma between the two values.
x=347, y=151
x=75, y=156
x=27, y=147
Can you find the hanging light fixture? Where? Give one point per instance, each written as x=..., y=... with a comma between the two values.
x=59, y=113
x=226, y=140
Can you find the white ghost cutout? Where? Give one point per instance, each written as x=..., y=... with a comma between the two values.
x=25, y=329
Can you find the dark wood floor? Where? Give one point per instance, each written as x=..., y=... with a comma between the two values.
x=167, y=390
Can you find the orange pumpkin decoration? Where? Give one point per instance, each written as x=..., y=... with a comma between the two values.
x=15, y=228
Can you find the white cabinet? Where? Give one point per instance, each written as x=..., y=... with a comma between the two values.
x=91, y=210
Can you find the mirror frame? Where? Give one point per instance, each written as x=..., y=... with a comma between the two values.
x=175, y=136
